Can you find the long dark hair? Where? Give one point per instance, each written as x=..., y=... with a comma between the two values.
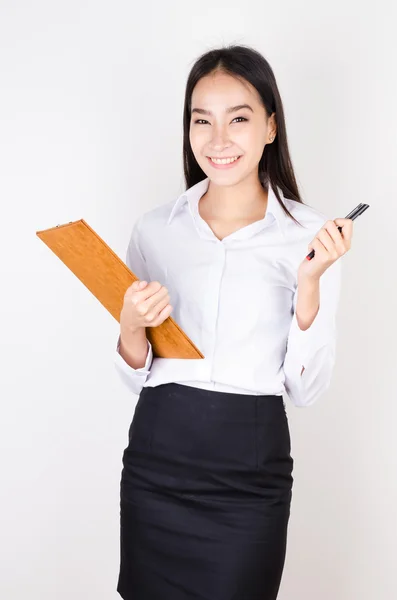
x=275, y=165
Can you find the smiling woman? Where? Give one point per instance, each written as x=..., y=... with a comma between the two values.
x=207, y=478
x=230, y=136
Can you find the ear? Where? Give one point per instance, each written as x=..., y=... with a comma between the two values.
x=272, y=125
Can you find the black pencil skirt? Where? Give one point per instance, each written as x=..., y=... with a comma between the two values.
x=205, y=498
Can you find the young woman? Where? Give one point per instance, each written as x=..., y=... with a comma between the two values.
x=207, y=480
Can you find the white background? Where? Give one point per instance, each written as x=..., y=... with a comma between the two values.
x=91, y=127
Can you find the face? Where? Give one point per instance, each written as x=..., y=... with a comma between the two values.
x=216, y=132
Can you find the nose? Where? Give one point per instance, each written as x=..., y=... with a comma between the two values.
x=220, y=139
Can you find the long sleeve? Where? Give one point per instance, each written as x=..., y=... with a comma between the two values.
x=314, y=348
x=134, y=379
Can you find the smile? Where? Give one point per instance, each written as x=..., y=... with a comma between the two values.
x=223, y=162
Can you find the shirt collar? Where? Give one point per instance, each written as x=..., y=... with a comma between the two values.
x=195, y=192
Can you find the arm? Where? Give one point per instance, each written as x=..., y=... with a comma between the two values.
x=133, y=348
x=308, y=303
x=134, y=378
x=311, y=344
x=134, y=353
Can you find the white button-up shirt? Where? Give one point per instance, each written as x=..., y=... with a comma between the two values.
x=235, y=298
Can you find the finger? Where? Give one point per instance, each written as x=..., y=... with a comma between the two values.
x=336, y=237
x=327, y=241
x=145, y=291
x=347, y=228
x=139, y=284
x=163, y=314
x=320, y=250
x=130, y=292
x=158, y=301
x=149, y=304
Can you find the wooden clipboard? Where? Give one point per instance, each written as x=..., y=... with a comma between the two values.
x=85, y=253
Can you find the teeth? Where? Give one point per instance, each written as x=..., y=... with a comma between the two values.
x=224, y=161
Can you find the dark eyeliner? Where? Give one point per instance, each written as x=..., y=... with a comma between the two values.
x=244, y=119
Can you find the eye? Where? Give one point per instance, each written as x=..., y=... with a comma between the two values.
x=199, y=121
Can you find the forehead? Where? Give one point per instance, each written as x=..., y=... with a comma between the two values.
x=223, y=90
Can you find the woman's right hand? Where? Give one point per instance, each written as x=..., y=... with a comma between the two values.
x=145, y=305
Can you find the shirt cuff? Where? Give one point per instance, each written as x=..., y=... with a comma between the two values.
x=134, y=379
x=303, y=345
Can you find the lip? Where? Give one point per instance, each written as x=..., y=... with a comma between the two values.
x=226, y=166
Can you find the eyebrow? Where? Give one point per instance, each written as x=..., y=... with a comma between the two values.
x=231, y=109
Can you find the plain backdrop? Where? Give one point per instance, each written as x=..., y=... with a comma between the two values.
x=91, y=127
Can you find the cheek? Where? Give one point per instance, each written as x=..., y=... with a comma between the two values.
x=252, y=140
x=198, y=146
x=196, y=143
x=198, y=136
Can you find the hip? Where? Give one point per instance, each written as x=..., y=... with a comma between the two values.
x=199, y=435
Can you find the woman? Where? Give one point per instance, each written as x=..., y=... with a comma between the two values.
x=207, y=480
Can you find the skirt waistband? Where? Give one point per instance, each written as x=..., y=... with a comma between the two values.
x=176, y=389
x=178, y=397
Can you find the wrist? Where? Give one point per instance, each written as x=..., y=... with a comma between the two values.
x=128, y=335
x=308, y=280
x=133, y=347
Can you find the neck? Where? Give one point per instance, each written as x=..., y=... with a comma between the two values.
x=232, y=202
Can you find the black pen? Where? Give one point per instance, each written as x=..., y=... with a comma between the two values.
x=356, y=212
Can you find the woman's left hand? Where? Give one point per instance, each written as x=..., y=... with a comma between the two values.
x=329, y=244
